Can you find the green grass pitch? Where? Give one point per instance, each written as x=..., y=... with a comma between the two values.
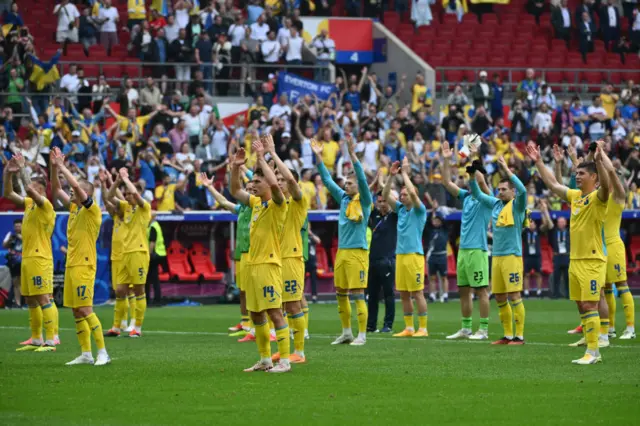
x=187, y=371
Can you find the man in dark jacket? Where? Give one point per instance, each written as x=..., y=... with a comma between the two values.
x=382, y=264
x=181, y=52
x=587, y=30
x=610, y=24
x=560, y=244
x=160, y=53
x=561, y=21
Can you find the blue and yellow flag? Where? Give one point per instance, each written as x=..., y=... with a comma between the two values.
x=161, y=6
x=196, y=7
x=44, y=73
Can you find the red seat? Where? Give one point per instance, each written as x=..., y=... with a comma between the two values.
x=162, y=275
x=201, y=260
x=322, y=263
x=451, y=266
x=547, y=256
x=489, y=20
x=592, y=78
x=179, y=264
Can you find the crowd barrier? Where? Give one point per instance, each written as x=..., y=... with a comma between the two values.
x=205, y=227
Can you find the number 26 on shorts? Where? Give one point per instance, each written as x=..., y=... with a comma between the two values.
x=514, y=277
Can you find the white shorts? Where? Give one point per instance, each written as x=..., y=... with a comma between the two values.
x=71, y=35
x=183, y=72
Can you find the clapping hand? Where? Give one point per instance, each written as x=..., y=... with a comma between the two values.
x=206, y=181
x=395, y=168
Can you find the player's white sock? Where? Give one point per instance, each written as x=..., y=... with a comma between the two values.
x=526, y=292
x=299, y=353
x=520, y=337
x=138, y=329
x=347, y=332
x=631, y=328
x=102, y=351
x=36, y=342
x=252, y=331
x=50, y=343
x=362, y=335
x=604, y=337
x=595, y=353
x=123, y=325
x=266, y=361
x=87, y=355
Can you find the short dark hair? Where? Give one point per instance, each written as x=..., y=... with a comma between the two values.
x=17, y=221
x=295, y=174
x=40, y=181
x=508, y=182
x=589, y=166
x=258, y=172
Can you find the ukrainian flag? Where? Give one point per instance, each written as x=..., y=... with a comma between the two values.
x=196, y=7
x=44, y=73
x=7, y=28
x=160, y=6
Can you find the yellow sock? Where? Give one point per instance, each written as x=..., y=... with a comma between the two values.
x=284, y=345
x=422, y=321
x=611, y=303
x=604, y=326
x=362, y=311
x=141, y=308
x=262, y=340
x=96, y=329
x=271, y=326
x=132, y=302
x=48, y=316
x=35, y=321
x=84, y=334
x=297, y=322
x=518, y=314
x=408, y=320
x=119, y=310
x=246, y=326
x=506, y=318
x=344, y=310
x=305, y=311
x=286, y=318
x=591, y=326
x=628, y=305
x=56, y=318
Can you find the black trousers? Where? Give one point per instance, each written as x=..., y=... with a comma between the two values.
x=310, y=267
x=560, y=282
x=382, y=274
x=153, y=279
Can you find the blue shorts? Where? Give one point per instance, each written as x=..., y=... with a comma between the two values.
x=437, y=268
x=532, y=264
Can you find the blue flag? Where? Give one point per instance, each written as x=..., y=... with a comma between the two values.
x=295, y=86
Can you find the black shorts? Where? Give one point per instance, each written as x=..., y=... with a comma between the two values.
x=437, y=268
x=532, y=264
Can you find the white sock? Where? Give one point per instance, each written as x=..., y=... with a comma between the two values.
x=631, y=328
x=604, y=337
x=422, y=329
x=299, y=353
x=362, y=335
x=49, y=343
x=36, y=342
x=102, y=351
x=266, y=361
x=433, y=295
x=592, y=352
x=520, y=337
x=252, y=331
x=87, y=355
x=138, y=329
x=132, y=323
x=411, y=329
x=347, y=332
x=123, y=325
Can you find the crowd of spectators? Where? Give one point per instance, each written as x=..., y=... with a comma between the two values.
x=166, y=133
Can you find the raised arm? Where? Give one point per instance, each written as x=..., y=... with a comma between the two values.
x=533, y=151
x=547, y=223
x=451, y=187
x=386, y=191
x=26, y=181
x=603, y=174
x=80, y=193
x=7, y=180
x=485, y=199
x=224, y=203
x=336, y=192
x=56, y=189
x=235, y=186
x=521, y=192
x=365, y=73
x=292, y=184
x=406, y=177
x=363, y=186
x=269, y=175
x=558, y=157
x=124, y=175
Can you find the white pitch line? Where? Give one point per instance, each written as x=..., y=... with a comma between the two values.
x=331, y=336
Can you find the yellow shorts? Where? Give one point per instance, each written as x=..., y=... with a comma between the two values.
x=292, y=279
x=78, y=286
x=506, y=274
x=241, y=266
x=616, y=263
x=135, y=266
x=409, y=272
x=36, y=276
x=264, y=287
x=351, y=269
x=586, y=278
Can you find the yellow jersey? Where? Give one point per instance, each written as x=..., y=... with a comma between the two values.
x=135, y=127
x=168, y=203
x=117, y=238
x=136, y=9
x=37, y=227
x=587, y=225
x=82, y=233
x=418, y=91
x=330, y=153
x=308, y=192
x=136, y=221
x=265, y=231
x=613, y=221
x=291, y=236
x=609, y=104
